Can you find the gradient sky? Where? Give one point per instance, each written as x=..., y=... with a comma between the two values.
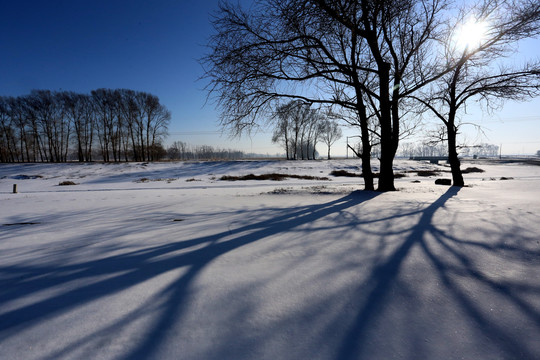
x=153, y=46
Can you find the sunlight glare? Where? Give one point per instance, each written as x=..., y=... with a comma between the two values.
x=471, y=35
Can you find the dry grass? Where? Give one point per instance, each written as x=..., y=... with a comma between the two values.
x=67, y=183
x=426, y=173
x=145, y=180
x=272, y=176
x=344, y=173
x=472, y=170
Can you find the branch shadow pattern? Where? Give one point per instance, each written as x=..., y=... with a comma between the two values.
x=456, y=270
x=445, y=254
x=132, y=268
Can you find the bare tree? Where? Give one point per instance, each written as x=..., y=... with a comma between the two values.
x=330, y=133
x=51, y=127
x=275, y=51
x=156, y=120
x=79, y=111
x=362, y=57
x=40, y=126
x=297, y=129
x=177, y=151
x=292, y=127
x=314, y=133
x=7, y=134
x=478, y=71
x=282, y=134
x=15, y=108
x=104, y=110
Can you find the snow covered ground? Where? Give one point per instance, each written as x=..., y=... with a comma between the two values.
x=167, y=261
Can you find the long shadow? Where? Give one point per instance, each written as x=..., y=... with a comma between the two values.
x=215, y=249
x=179, y=169
x=381, y=278
x=129, y=269
x=457, y=272
x=504, y=291
x=446, y=254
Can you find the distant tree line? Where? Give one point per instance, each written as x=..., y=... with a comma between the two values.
x=299, y=128
x=108, y=125
x=432, y=149
x=180, y=150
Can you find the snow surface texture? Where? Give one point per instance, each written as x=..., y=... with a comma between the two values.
x=166, y=261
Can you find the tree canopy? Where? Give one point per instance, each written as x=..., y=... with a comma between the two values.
x=369, y=60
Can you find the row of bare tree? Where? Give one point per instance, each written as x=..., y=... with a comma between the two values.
x=299, y=128
x=379, y=63
x=180, y=150
x=432, y=149
x=49, y=126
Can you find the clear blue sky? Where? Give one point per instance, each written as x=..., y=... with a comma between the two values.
x=153, y=46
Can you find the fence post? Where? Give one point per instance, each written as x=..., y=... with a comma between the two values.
x=14, y=188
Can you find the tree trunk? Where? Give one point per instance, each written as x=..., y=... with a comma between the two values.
x=364, y=137
x=386, y=176
x=366, y=171
x=366, y=151
x=457, y=176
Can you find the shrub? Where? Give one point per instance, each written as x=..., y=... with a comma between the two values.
x=427, y=173
x=344, y=173
x=472, y=170
x=66, y=183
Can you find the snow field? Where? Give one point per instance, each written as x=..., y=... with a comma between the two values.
x=115, y=268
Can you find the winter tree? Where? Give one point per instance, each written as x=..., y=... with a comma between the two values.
x=296, y=128
x=330, y=133
x=477, y=41
x=360, y=58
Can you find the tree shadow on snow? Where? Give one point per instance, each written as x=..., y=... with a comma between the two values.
x=126, y=270
x=375, y=324
x=470, y=295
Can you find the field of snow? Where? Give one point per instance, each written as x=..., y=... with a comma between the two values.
x=167, y=261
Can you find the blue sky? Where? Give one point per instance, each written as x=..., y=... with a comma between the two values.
x=153, y=46
x=81, y=45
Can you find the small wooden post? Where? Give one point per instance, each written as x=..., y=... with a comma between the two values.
x=14, y=188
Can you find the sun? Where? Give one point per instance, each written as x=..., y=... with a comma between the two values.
x=471, y=35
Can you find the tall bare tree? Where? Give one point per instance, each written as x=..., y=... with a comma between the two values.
x=156, y=119
x=282, y=133
x=478, y=41
x=279, y=51
x=359, y=56
x=50, y=124
x=330, y=133
x=129, y=125
x=297, y=128
x=8, y=141
x=79, y=111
